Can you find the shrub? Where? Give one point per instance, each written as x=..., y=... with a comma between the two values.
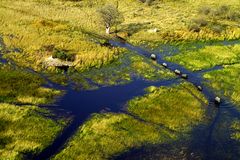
x=204, y=10
x=200, y=22
x=217, y=28
x=109, y=16
x=223, y=9
x=220, y=12
x=48, y=48
x=194, y=28
x=224, y=12
x=233, y=16
x=60, y=54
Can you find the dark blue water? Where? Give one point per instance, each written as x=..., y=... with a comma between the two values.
x=193, y=77
x=3, y=61
x=82, y=104
x=206, y=141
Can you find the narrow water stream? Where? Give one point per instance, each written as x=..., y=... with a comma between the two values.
x=225, y=112
x=81, y=104
x=193, y=77
x=84, y=103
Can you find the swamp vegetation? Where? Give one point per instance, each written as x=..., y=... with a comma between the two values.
x=70, y=91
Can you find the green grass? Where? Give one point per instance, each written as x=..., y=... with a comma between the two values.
x=226, y=82
x=173, y=18
x=105, y=135
x=18, y=86
x=236, y=130
x=168, y=114
x=174, y=107
x=148, y=69
x=207, y=57
x=33, y=26
x=23, y=130
x=165, y=119
x=128, y=66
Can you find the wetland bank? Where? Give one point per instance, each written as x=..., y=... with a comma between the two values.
x=69, y=91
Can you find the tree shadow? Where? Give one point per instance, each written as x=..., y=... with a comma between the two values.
x=133, y=28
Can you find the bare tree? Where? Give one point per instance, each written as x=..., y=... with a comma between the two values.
x=110, y=16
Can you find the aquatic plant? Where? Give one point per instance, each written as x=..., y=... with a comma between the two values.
x=128, y=67
x=226, y=82
x=208, y=57
x=159, y=117
x=18, y=86
x=25, y=130
x=105, y=135
x=164, y=106
x=236, y=130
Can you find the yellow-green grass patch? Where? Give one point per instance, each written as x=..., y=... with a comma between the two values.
x=18, y=86
x=23, y=130
x=179, y=107
x=226, y=82
x=207, y=57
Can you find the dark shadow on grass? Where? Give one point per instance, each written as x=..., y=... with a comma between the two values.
x=133, y=28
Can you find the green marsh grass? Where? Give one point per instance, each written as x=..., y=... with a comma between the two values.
x=39, y=24
x=207, y=57
x=105, y=135
x=173, y=18
x=165, y=106
x=236, y=130
x=18, y=86
x=32, y=25
x=23, y=130
x=128, y=66
x=226, y=82
x=162, y=118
